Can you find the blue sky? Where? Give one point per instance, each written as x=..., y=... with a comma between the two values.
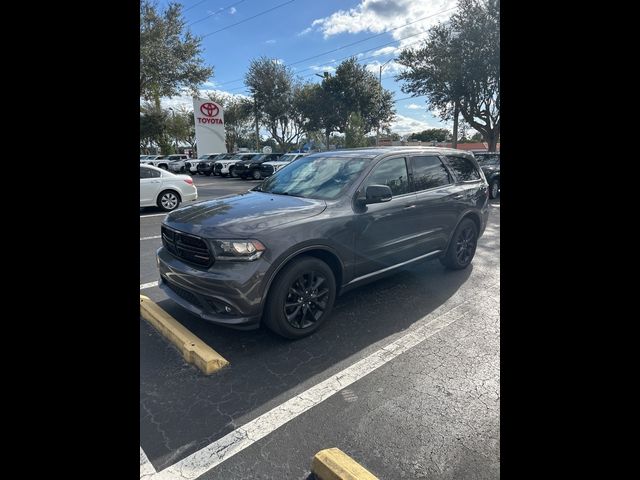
x=306, y=28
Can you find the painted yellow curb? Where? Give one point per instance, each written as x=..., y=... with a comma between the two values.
x=334, y=464
x=194, y=350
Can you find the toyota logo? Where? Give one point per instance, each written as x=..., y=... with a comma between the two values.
x=209, y=109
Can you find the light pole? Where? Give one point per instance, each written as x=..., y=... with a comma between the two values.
x=173, y=115
x=380, y=85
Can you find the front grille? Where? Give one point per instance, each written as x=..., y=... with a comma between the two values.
x=266, y=170
x=217, y=167
x=189, y=248
x=187, y=164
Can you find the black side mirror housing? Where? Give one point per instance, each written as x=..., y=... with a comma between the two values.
x=377, y=194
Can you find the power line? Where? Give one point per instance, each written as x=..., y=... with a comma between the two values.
x=194, y=5
x=406, y=98
x=220, y=10
x=360, y=41
x=249, y=18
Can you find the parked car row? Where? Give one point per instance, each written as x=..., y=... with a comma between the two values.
x=490, y=164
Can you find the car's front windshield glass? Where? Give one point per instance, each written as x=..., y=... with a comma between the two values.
x=320, y=177
x=286, y=158
x=258, y=157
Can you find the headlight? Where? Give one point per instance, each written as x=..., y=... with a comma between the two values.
x=240, y=250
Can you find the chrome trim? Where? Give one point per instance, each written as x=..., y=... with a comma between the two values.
x=392, y=267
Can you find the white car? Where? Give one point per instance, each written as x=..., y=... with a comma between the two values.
x=159, y=188
x=269, y=168
x=192, y=165
x=177, y=163
x=225, y=168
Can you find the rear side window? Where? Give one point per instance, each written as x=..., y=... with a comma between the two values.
x=464, y=169
x=148, y=173
x=429, y=172
x=392, y=173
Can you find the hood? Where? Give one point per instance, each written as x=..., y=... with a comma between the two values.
x=243, y=215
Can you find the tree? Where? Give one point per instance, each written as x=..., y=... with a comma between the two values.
x=182, y=127
x=431, y=135
x=169, y=54
x=458, y=68
x=153, y=127
x=238, y=119
x=273, y=88
x=354, y=132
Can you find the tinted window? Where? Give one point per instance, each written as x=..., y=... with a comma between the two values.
x=429, y=172
x=488, y=159
x=463, y=168
x=148, y=173
x=392, y=173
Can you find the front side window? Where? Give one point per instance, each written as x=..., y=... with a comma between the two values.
x=429, y=172
x=322, y=177
x=464, y=169
x=393, y=173
x=488, y=159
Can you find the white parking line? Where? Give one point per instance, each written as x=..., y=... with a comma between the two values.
x=234, y=442
x=148, y=285
x=146, y=469
x=150, y=238
x=153, y=215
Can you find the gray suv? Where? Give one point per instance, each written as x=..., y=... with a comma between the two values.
x=282, y=252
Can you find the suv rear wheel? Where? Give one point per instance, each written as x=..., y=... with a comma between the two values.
x=462, y=247
x=493, y=188
x=301, y=298
x=256, y=175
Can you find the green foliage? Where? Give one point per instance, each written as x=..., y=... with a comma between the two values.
x=354, y=132
x=459, y=64
x=273, y=88
x=169, y=54
x=238, y=120
x=430, y=135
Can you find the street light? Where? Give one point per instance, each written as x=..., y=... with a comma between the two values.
x=380, y=85
x=173, y=114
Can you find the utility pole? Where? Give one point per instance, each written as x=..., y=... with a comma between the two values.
x=173, y=115
x=380, y=88
x=255, y=106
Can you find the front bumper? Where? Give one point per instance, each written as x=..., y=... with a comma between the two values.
x=209, y=294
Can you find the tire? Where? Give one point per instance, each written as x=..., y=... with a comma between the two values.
x=163, y=166
x=208, y=174
x=232, y=172
x=462, y=246
x=304, y=319
x=169, y=200
x=494, y=186
x=256, y=175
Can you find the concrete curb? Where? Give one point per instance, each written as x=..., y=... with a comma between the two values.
x=194, y=350
x=334, y=464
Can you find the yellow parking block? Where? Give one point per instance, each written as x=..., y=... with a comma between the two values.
x=334, y=464
x=194, y=350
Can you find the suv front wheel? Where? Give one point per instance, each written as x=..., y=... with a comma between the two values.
x=494, y=188
x=301, y=298
x=462, y=247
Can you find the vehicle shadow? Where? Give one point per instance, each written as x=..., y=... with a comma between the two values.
x=182, y=410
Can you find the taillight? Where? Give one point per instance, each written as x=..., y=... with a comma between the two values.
x=189, y=181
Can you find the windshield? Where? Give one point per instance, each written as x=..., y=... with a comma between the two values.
x=488, y=159
x=286, y=158
x=324, y=178
x=259, y=157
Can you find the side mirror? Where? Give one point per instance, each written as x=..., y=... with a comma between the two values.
x=377, y=194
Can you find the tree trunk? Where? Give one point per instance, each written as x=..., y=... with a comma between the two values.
x=327, y=133
x=454, y=142
x=492, y=140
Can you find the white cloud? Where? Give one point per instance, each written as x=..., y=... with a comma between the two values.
x=404, y=125
x=391, y=67
x=232, y=10
x=185, y=101
x=305, y=31
x=376, y=16
x=270, y=42
x=413, y=106
x=326, y=68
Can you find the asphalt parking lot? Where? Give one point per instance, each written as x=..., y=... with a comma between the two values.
x=404, y=377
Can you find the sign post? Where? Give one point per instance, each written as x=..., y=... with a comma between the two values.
x=210, y=132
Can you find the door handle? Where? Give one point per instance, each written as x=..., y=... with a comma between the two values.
x=458, y=197
x=409, y=207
